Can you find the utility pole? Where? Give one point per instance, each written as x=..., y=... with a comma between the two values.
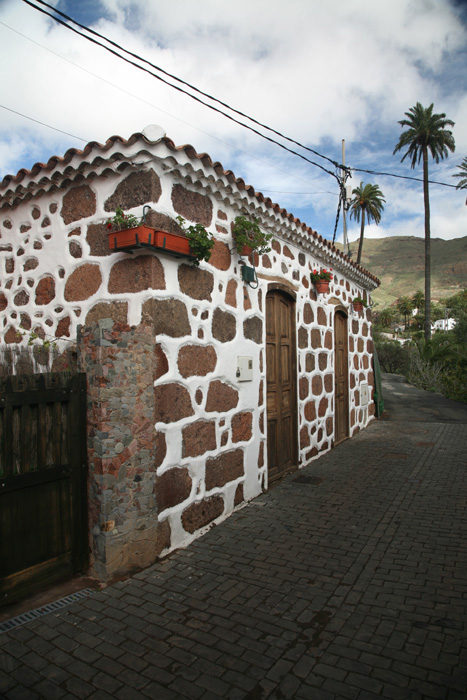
x=344, y=206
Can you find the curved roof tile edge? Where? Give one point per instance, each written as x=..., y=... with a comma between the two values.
x=191, y=153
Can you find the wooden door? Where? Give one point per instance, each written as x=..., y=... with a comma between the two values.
x=281, y=371
x=43, y=471
x=341, y=385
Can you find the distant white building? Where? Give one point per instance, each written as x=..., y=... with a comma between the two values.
x=444, y=324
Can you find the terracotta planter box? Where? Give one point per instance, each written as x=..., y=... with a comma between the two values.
x=172, y=242
x=139, y=236
x=144, y=236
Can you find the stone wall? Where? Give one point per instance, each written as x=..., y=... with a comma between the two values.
x=203, y=451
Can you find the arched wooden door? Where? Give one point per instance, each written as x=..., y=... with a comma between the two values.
x=281, y=372
x=341, y=378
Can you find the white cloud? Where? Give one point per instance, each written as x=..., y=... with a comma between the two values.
x=318, y=72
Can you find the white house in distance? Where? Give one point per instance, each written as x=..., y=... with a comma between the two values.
x=203, y=388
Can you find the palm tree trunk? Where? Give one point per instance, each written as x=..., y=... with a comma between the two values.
x=360, y=245
x=426, y=198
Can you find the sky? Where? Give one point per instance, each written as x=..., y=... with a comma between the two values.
x=317, y=72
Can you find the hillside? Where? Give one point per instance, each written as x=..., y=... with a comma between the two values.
x=399, y=263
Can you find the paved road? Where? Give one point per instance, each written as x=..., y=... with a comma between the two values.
x=403, y=402
x=346, y=581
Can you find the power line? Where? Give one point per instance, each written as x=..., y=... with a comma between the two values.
x=401, y=177
x=183, y=82
x=175, y=87
x=44, y=124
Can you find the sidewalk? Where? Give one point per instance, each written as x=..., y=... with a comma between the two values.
x=347, y=580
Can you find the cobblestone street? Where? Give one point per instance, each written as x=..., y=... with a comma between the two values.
x=347, y=580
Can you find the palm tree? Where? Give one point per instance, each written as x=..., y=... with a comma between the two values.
x=404, y=307
x=367, y=200
x=418, y=299
x=426, y=132
x=462, y=184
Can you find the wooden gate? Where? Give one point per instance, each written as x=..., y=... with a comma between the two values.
x=43, y=470
x=341, y=383
x=281, y=369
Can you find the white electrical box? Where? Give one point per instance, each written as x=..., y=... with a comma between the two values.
x=364, y=394
x=245, y=369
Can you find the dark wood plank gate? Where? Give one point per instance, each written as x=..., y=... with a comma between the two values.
x=43, y=470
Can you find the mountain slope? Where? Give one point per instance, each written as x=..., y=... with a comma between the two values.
x=399, y=263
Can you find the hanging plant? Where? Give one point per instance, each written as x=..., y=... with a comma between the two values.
x=201, y=241
x=249, y=237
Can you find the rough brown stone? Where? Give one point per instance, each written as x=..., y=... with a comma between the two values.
x=246, y=300
x=172, y=403
x=352, y=380
x=224, y=326
x=63, y=328
x=288, y=253
x=45, y=291
x=310, y=411
x=355, y=327
x=317, y=385
x=302, y=337
x=21, y=298
x=168, y=317
x=162, y=363
x=136, y=189
x=315, y=338
x=199, y=397
x=160, y=445
x=226, y=467
x=195, y=283
x=172, y=487
x=83, y=283
x=30, y=264
x=116, y=310
x=220, y=256
x=78, y=203
x=12, y=336
x=221, y=397
x=351, y=343
x=310, y=362
x=136, y=274
x=98, y=240
x=242, y=426
x=323, y=406
x=45, y=222
x=239, y=497
x=75, y=249
x=365, y=362
x=222, y=215
x=231, y=293
x=322, y=318
x=328, y=382
x=323, y=360
x=253, y=329
x=328, y=340
x=200, y=514
x=196, y=360
x=360, y=345
x=266, y=261
x=198, y=437
x=303, y=388
x=192, y=205
x=365, y=329
x=304, y=437
x=25, y=322
x=35, y=213
x=308, y=316
x=275, y=245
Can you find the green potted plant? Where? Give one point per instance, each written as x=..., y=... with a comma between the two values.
x=358, y=303
x=201, y=242
x=249, y=238
x=321, y=279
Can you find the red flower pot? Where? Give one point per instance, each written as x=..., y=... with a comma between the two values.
x=322, y=286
